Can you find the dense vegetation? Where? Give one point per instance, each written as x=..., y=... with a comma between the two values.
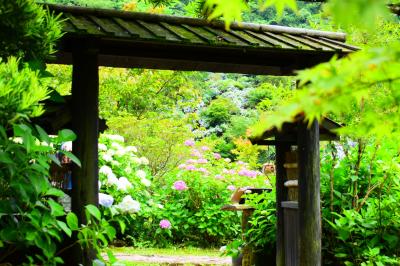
x=176, y=145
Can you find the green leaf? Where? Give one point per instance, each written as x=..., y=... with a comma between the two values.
x=42, y=134
x=111, y=256
x=72, y=221
x=5, y=158
x=94, y=211
x=54, y=192
x=56, y=208
x=54, y=158
x=72, y=157
x=66, y=135
x=65, y=228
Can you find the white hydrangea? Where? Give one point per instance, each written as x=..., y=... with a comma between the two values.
x=145, y=182
x=102, y=147
x=128, y=205
x=112, y=179
x=141, y=174
x=114, y=137
x=137, y=160
x=123, y=183
x=131, y=149
x=107, y=157
x=115, y=163
x=105, y=170
x=128, y=170
x=144, y=161
x=99, y=184
x=105, y=200
x=116, y=146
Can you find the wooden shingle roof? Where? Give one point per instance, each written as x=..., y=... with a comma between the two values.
x=277, y=49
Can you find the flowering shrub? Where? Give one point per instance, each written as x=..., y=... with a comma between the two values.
x=181, y=208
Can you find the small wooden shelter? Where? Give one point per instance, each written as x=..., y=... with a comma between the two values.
x=297, y=187
x=97, y=37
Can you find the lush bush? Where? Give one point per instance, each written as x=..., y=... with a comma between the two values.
x=27, y=30
x=361, y=194
x=219, y=111
x=181, y=208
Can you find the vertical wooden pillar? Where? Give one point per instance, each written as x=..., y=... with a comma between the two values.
x=280, y=150
x=85, y=113
x=309, y=195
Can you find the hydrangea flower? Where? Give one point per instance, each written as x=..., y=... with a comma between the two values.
x=202, y=161
x=189, y=143
x=145, y=182
x=205, y=148
x=105, y=170
x=191, y=161
x=105, y=200
x=231, y=187
x=248, y=173
x=196, y=153
x=144, y=161
x=112, y=179
x=219, y=176
x=190, y=167
x=165, y=224
x=203, y=170
x=180, y=185
x=114, y=137
x=128, y=205
x=217, y=156
x=227, y=160
x=141, y=174
x=107, y=157
x=102, y=147
x=131, y=149
x=123, y=184
x=182, y=166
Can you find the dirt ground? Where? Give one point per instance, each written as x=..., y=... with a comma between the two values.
x=174, y=260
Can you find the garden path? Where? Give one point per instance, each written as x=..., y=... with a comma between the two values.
x=174, y=260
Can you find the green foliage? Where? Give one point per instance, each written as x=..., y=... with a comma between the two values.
x=27, y=30
x=360, y=195
x=20, y=93
x=219, y=111
x=159, y=140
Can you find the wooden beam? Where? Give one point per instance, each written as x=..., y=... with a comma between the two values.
x=281, y=149
x=309, y=195
x=85, y=113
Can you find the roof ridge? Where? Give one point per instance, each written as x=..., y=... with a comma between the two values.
x=339, y=36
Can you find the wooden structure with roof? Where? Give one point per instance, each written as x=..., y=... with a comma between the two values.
x=297, y=192
x=95, y=37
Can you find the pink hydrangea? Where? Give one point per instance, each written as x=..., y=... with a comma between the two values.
x=219, y=176
x=203, y=170
x=196, y=153
x=205, y=148
x=182, y=166
x=189, y=142
x=217, y=156
x=248, y=173
x=191, y=161
x=190, y=167
x=165, y=224
x=231, y=187
x=180, y=185
x=202, y=161
x=240, y=162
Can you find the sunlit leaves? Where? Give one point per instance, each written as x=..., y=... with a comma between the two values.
x=230, y=10
x=357, y=13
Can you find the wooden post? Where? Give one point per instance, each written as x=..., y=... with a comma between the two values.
x=309, y=195
x=280, y=150
x=85, y=113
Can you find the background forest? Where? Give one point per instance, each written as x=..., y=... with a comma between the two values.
x=176, y=145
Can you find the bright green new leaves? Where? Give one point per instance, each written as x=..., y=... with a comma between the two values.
x=230, y=10
x=17, y=102
x=362, y=14
x=369, y=79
